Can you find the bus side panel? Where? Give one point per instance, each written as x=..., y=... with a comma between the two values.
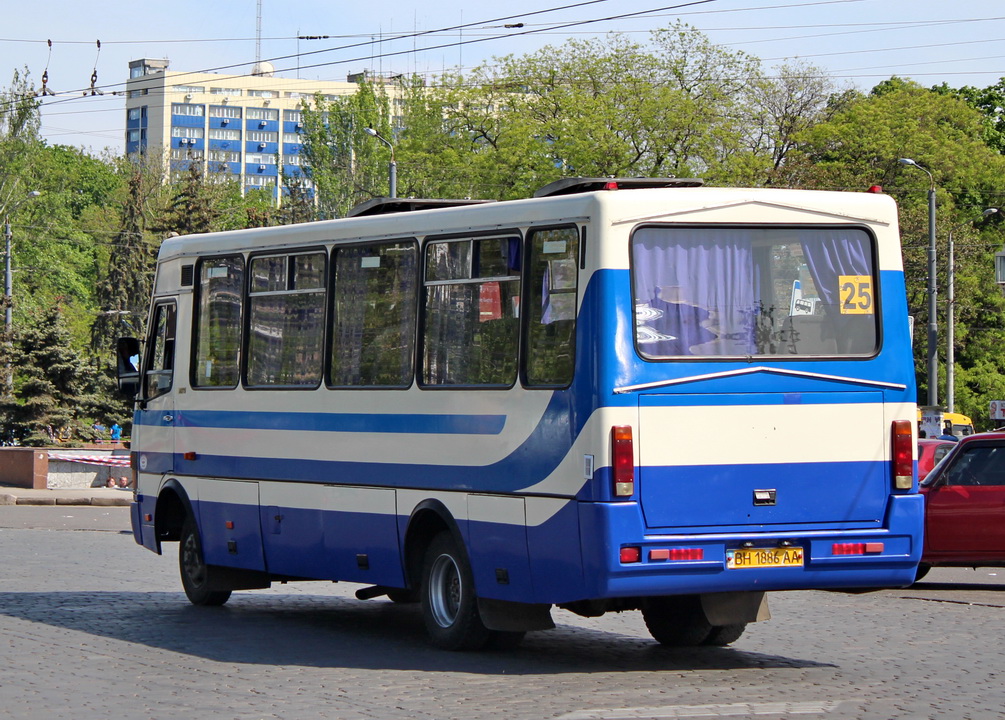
x=229, y=524
x=361, y=536
x=293, y=530
x=553, y=536
x=497, y=549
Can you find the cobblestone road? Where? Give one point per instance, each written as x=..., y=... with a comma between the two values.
x=93, y=626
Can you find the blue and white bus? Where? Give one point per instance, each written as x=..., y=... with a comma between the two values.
x=616, y=395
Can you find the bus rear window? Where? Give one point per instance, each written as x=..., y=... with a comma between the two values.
x=729, y=291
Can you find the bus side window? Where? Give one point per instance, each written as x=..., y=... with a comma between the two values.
x=552, y=277
x=160, y=363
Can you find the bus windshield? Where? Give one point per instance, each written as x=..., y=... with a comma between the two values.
x=732, y=291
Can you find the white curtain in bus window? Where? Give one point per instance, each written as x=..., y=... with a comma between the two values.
x=552, y=270
x=714, y=291
x=374, y=289
x=286, y=320
x=471, y=322
x=218, y=322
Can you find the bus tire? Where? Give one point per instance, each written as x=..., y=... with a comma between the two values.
x=722, y=635
x=195, y=573
x=676, y=621
x=449, y=606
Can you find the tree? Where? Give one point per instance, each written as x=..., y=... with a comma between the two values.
x=124, y=287
x=990, y=102
x=346, y=165
x=778, y=107
x=54, y=399
x=860, y=145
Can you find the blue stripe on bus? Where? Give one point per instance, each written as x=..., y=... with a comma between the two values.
x=417, y=424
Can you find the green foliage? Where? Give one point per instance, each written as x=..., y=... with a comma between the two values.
x=55, y=398
x=347, y=165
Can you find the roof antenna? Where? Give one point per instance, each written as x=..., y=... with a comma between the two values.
x=94, y=74
x=46, y=90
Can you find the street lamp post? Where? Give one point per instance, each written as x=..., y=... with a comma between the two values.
x=9, y=277
x=933, y=332
x=951, y=313
x=392, y=168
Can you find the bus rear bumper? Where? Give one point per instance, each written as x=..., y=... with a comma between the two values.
x=700, y=562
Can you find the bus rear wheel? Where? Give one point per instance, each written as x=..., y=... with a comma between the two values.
x=676, y=621
x=449, y=606
x=195, y=573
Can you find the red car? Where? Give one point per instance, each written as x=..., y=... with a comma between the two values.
x=930, y=451
x=965, y=506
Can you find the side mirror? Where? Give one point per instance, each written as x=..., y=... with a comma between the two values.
x=127, y=371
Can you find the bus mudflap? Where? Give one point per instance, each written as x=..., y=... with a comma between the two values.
x=508, y=616
x=730, y=608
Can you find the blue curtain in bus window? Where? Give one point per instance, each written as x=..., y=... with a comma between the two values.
x=840, y=262
x=695, y=291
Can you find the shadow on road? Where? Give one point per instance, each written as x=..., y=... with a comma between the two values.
x=321, y=631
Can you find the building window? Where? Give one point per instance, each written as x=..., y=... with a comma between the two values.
x=134, y=136
x=224, y=111
x=295, y=138
x=293, y=116
x=187, y=132
x=260, y=159
x=191, y=89
x=224, y=134
x=262, y=114
x=187, y=109
x=260, y=181
x=226, y=91
x=291, y=160
x=262, y=93
x=134, y=113
x=262, y=136
x=224, y=156
x=184, y=154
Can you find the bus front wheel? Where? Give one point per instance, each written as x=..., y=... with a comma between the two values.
x=195, y=573
x=449, y=606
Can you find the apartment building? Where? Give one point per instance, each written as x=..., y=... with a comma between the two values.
x=244, y=126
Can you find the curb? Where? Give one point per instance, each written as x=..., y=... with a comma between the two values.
x=50, y=500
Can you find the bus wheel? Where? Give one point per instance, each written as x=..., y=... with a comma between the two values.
x=676, y=621
x=449, y=607
x=722, y=635
x=195, y=573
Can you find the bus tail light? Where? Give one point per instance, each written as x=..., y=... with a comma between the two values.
x=623, y=460
x=903, y=462
x=861, y=548
x=631, y=554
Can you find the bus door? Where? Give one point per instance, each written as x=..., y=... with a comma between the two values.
x=157, y=412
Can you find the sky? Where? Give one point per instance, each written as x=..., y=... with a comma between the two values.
x=857, y=42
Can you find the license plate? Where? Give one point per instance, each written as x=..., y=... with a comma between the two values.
x=764, y=557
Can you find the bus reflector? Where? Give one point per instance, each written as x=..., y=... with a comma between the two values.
x=903, y=462
x=623, y=460
x=677, y=554
x=866, y=548
x=631, y=554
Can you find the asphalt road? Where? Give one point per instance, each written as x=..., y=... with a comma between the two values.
x=93, y=626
